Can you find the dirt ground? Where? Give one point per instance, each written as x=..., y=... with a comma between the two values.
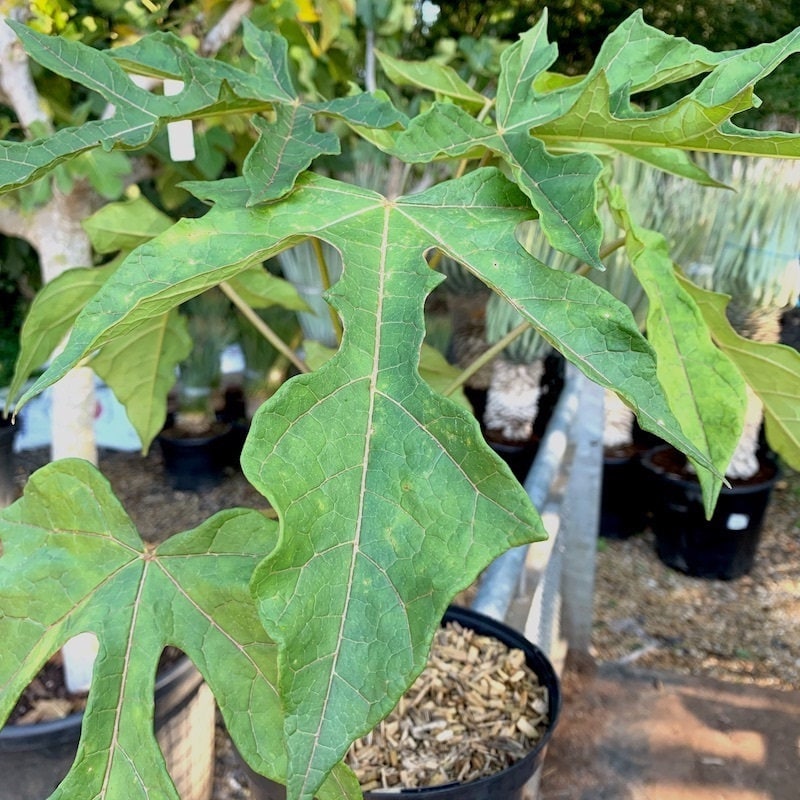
x=634, y=734
x=692, y=690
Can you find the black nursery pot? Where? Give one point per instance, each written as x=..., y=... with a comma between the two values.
x=721, y=548
x=197, y=462
x=509, y=784
x=35, y=758
x=7, y=487
x=623, y=511
x=518, y=456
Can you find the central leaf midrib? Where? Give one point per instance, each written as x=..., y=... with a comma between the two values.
x=368, y=436
x=114, y=741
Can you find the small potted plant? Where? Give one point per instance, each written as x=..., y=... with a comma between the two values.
x=310, y=627
x=195, y=443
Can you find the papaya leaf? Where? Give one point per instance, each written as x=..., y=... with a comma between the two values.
x=434, y=368
x=771, y=370
x=562, y=188
x=366, y=501
x=675, y=162
x=124, y=225
x=50, y=318
x=284, y=149
x=585, y=323
x=211, y=87
x=536, y=119
x=141, y=370
x=520, y=66
x=191, y=592
x=363, y=109
x=687, y=124
x=439, y=374
x=261, y=289
x=704, y=388
x=445, y=130
x=639, y=57
x=433, y=76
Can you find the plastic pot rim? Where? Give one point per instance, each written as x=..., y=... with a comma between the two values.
x=693, y=484
x=17, y=737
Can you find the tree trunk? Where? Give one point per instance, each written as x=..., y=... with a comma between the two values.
x=513, y=399
x=62, y=243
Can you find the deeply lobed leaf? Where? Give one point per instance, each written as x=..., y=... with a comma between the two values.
x=771, y=370
x=389, y=499
x=191, y=592
x=706, y=392
x=211, y=87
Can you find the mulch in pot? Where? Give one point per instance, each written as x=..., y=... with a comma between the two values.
x=476, y=709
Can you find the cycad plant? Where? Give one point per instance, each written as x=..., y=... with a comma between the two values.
x=744, y=243
x=312, y=267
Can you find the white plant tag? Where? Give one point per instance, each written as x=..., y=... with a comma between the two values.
x=79, y=654
x=179, y=134
x=738, y=522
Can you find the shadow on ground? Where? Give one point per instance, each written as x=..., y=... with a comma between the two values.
x=629, y=734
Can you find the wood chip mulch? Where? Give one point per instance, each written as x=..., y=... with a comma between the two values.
x=476, y=709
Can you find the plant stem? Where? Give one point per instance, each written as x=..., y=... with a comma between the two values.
x=370, y=78
x=326, y=284
x=486, y=357
x=513, y=334
x=263, y=328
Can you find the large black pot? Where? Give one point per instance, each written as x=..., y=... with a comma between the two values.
x=35, y=758
x=723, y=547
x=8, y=491
x=506, y=785
x=623, y=511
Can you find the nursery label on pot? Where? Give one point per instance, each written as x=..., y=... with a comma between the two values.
x=738, y=522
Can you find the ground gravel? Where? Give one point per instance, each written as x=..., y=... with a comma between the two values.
x=740, y=631
x=744, y=630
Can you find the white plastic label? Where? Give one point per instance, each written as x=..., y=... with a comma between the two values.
x=79, y=654
x=738, y=522
x=179, y=134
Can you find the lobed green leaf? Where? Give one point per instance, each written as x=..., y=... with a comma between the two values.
x=444, y=81
x=191, y=593
x=703, y=387
x=50, y=317
x=141, y=369
x=124, y=225
x=366, y=501
x=771, y=370
x=211, y=87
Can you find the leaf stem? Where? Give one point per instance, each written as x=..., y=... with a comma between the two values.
x=514, y=333
x=605, y=252
x=262, y=327
x=486, y=357
x=325, y=275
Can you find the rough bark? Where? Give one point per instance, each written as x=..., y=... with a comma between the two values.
x=759, y=325
x=513, y=398
x=618, y=422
